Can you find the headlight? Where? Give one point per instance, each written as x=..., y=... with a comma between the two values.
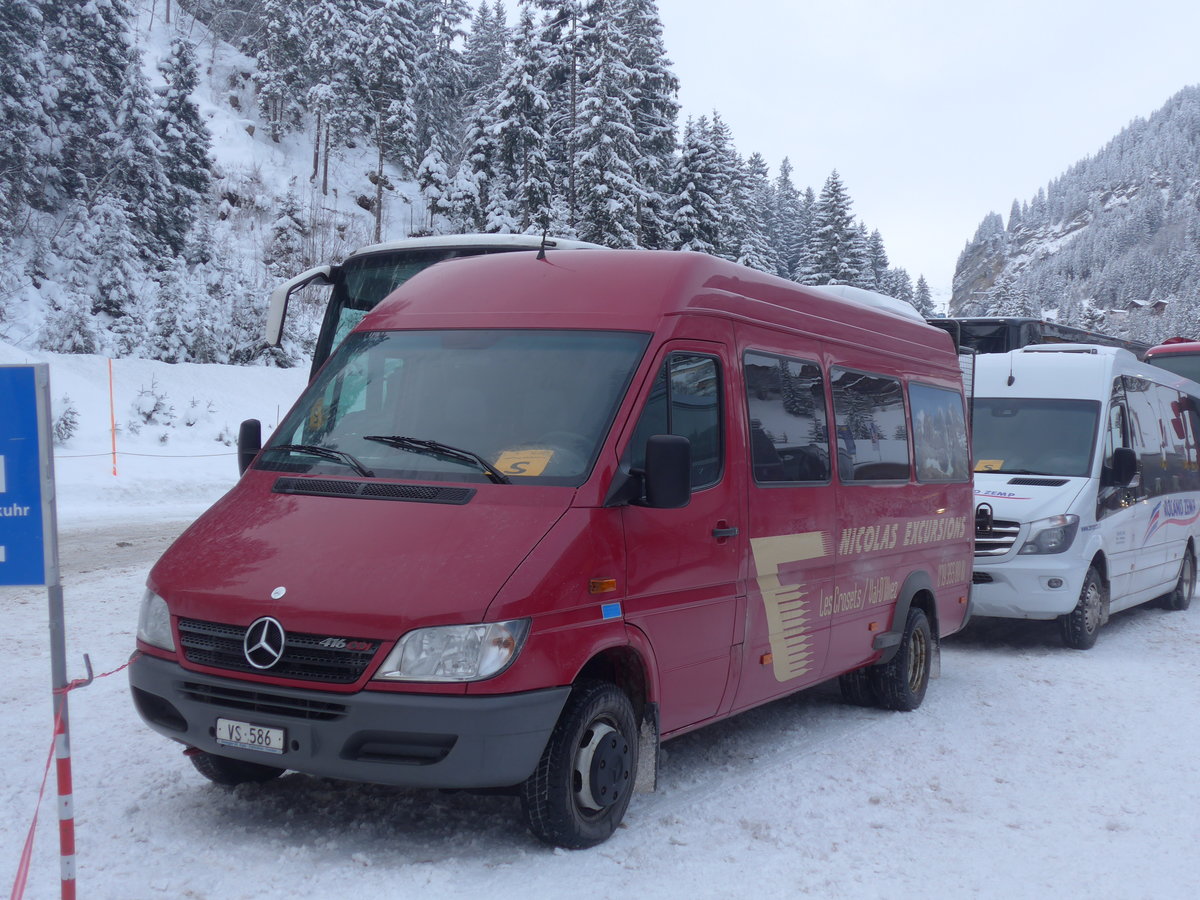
x=154, y=622
x=1052, y=535
x=455, y=652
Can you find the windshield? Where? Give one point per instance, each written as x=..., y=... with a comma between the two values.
x=1184, y=364
x=439, y=405
x=1034, y=437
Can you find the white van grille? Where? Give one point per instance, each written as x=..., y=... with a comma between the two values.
x=998, y=540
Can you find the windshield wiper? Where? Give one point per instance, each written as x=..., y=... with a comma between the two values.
x=326, y=453
x=437, y=448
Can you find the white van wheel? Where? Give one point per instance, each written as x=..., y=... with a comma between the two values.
x=1081, y=626
x=1181, y=598
x=581, y=787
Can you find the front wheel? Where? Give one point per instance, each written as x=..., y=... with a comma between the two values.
x=226, y=771
x=1082, y=624
x=1181, y=598
x=900, y=683
x=581, y=787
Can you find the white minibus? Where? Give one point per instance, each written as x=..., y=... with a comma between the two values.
x=1086, y=486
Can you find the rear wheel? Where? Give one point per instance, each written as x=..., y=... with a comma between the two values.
x=1185, y=588
x=857, y=689
x=900, y=683
x=223, y=770
x=1081, y=626
x=580, y=790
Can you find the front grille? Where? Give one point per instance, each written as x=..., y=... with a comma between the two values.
x=304, y=658
x=263, y=702
x=1038, y=482
x=374, y=490
x=997, y=540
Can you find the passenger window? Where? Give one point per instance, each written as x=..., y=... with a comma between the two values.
x=939, y=434
x=872, y=433
x=789, y=431
x=686, y=400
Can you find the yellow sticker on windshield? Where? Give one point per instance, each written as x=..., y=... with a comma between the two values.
x=988, y=465
x=524, y=462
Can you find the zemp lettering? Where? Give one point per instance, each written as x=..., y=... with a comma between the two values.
x=13, y=511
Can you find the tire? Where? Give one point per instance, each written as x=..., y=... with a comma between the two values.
x=226, y=771
x=578, y=794
x=857, y=689
x=1181, y=597
x=1081, y=626
x=900, y=683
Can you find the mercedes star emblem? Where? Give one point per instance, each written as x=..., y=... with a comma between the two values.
x=264, y=643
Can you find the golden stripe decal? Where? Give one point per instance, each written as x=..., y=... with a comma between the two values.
x=787, y=610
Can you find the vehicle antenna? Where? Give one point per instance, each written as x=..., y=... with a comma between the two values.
x=542, y=249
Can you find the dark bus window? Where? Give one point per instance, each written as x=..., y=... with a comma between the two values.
x=789, y=432
x=872, y=433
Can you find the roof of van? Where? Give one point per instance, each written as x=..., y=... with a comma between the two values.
x=633, y=290
x=1063, y=371
x=490, y=241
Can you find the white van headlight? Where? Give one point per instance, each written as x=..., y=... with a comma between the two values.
x=1052, y=535
x=154, y=622
x=455, y=652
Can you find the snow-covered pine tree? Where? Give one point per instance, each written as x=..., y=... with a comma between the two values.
x=185, y=145
x=69, y=326
x=695, y=219
x=757, y=251
x=729, y=190
x=606, y=147
x=387, y=86
x=284, y=254
x=923, y=299
x=898, y=284
x=654, y=90
x=829, y=258
x=565, y=32
x=25, y=151
x=878, y=258
x=786, y=222
x=281, y=76
x=859, y=258
x=434, y=184
x=522, y=109
x=136, y=170
x=439, y=71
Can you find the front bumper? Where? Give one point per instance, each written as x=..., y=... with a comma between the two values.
x=413, y=740
x=1020, y=588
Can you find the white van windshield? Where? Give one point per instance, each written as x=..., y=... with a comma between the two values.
x=1034, y=436
x=509, y=406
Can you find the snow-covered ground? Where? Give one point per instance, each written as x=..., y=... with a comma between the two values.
x=1030, y=771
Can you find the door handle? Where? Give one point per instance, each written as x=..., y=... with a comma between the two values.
x=721, y=532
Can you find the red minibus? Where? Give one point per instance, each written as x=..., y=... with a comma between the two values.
x=1178, y=355
x=536, y=516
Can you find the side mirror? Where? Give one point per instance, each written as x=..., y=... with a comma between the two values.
x=1124, y=467
x=668, y=473
x=249, y=443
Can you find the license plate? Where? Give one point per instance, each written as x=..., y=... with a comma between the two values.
x=232, y=733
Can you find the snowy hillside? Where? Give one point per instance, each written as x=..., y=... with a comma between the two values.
x=176, y=428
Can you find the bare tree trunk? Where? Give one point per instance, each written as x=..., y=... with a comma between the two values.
x=325, y=164
x=316, y=148
x=379, y=182
x=167, y=20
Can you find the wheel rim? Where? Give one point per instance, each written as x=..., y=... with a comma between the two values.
x=1091, y=607
x=918, y=658
x=602, y=768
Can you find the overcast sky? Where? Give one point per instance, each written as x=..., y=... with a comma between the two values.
x=934, y=112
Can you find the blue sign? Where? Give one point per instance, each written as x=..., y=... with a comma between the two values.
x=22, y=539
